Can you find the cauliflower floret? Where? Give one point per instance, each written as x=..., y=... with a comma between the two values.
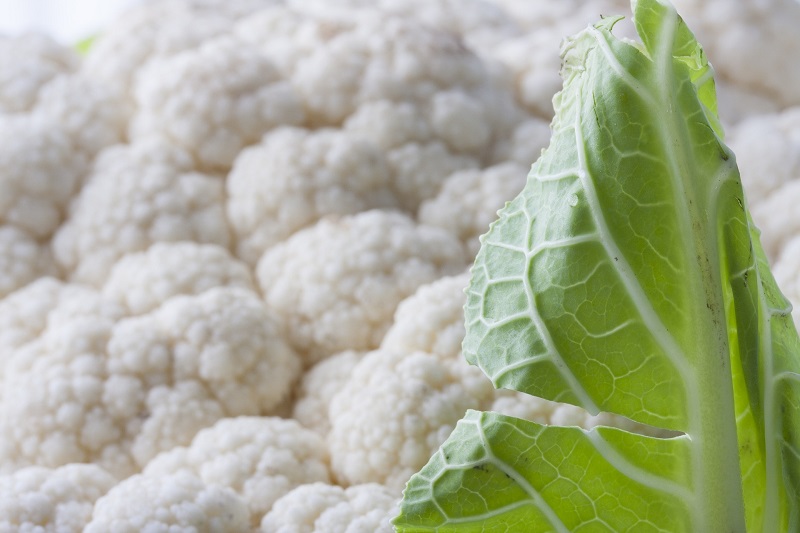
x=41, y=500
x=736, y=103
x=425, y=99
x=213, y=101
x=525, y=146
x=22, y=260
x=137, y=195
x=143, y=281
x=335, y=285
x=176, y=503
x=418, y=162
x=260, y=459
x=39, y=172
x=431, y=320
x=46, y=303
x=534, y=57
x=396, y=410
x=294, y=177
x=403, y=61
x=787, y=274
x=480, y=23
x=154, y=30
x=469, y=200
x=752, y=34
x=30, y=61
x=321, y=508
x=767, y=149
x=95, y=387
x=85, y=109
x=773, y=216
x=318, y=387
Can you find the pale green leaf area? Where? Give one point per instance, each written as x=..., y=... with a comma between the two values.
x=84, y=45
x=627, y=277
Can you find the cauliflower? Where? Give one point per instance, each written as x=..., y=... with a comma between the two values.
x=533, y=56
x=40, y=171
x=432, y=104
x=335, y=285
x=787, y=274
x=22, y=260
x=775, y=230
x=137, y=195
x=85, y=109
x=321, y=508
x=480, y=23
x=230, y=212
x=431, y=320
x=41, y=500
x=469, y=200
x=767, y=149
x=213, y=101
x=95, y=386
x=318, y=387
x=142, y=281
x=157, y=30
x=30, y=61
x=260, y=459
x=295, y=177
x=180, y=502
x=395, y=411
x=743, y=38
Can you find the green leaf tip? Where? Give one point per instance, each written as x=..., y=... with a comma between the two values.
x=627, y=277
x=84, y=45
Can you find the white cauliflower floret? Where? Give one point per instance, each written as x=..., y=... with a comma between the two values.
x=767, y=149
x=153, y=30
x=94, y=387
x=41, y=500
x=534, y=57
x=85, y=109
x=213, y=101
x=30, y=61
x=344, y=59
x=736, y=103
x=773, y=216
x=480, y=23
x=525, y=146
x=22, y=260
x=177, y=503
x=418, y=162
x=469, y=200
x=403, y=61
x=260, y=459
x=137, y=195
x=319, y=385
x=294, y=178
x=44, y=304
x=143, y=281
x=431, y=320
x=396, y=410
x=787, y=274
x=40, y=171
x=335, y=285
x=747, y=42
x=321, y=508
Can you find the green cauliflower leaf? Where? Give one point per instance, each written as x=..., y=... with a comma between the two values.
x=627, y=277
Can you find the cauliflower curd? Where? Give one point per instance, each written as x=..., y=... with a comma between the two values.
x=234, y=238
